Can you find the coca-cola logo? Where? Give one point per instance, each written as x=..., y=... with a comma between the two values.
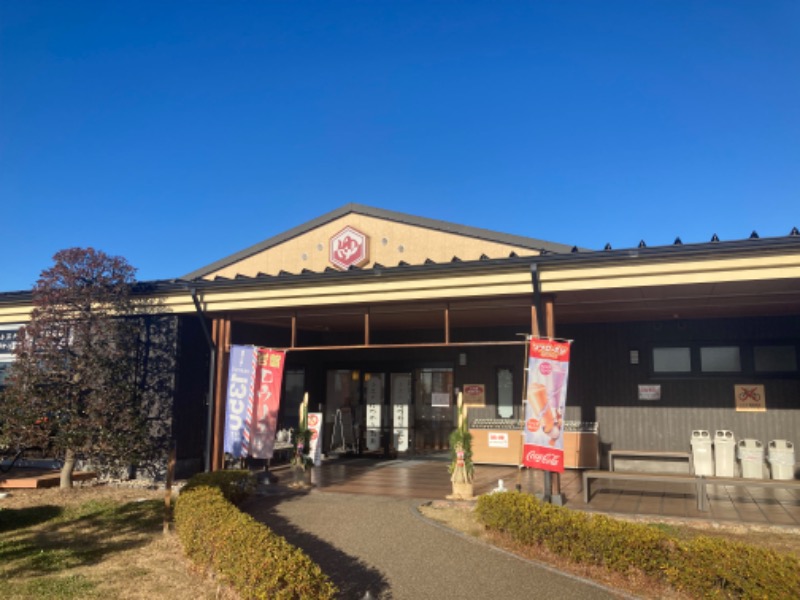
x=549, y=458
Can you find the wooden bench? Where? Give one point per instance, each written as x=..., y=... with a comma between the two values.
x=645, y=478
x=649, y=455
x=700, y=482
x=785, y=484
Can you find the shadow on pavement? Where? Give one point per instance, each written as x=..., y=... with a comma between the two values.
x=353, y=578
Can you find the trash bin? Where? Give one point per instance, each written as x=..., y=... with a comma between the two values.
x=751, y=455
x=724, y=453
x=781, y=459
x=701, y=452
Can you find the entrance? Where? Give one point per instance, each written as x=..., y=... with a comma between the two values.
x=388, y=412
x=389, y=408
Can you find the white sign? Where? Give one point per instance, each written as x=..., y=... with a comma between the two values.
x=650, y=392
x=373, y=426
x=440, y=399
x=498, y=439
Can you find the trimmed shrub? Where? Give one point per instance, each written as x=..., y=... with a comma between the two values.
x=250, y=557
x=703, y=566
x=235, y=485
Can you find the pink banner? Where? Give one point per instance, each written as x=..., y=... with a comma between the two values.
x=546, y=396
x=269, y=378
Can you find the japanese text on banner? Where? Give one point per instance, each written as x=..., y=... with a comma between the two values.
x=239, y=399
x=267, y=401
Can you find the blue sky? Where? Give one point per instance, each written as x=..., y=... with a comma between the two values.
x=176, y=133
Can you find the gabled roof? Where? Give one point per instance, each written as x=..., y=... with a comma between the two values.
x=387, y=215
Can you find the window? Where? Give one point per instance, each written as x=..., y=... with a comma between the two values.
x=505, y=393
x=672, y=360
x=720, y=359
x=775, y=359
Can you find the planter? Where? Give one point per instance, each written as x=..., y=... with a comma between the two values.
x=461, y=491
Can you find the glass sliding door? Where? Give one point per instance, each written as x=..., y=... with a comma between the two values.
x=434, y=408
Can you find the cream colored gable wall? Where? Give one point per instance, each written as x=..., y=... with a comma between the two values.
x=389, y=243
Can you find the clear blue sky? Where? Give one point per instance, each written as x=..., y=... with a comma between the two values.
x=176, y=133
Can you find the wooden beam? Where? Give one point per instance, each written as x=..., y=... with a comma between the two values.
x=447, y=324
x=549, y=315
x=222, y=341
x=407, y=346
x=366, y=327
x=534, y=321
x=294, y=330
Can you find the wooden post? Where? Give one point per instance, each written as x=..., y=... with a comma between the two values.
x=168, y=490
x=550, y=324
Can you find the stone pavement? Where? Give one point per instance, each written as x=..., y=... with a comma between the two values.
x=381, y=547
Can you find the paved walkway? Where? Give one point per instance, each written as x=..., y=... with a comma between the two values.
x=360, y=523
x=382, y=546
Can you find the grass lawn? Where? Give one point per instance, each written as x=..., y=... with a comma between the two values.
x=92, y=542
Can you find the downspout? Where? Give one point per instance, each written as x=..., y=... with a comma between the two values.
x=537, y=296
x=211, y=368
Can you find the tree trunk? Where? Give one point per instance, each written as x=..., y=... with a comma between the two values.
x=67, y=469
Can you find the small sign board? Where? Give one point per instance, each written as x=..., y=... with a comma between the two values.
x=650, y=392
x=474, y=394
x=750, y=398
x=498, y=439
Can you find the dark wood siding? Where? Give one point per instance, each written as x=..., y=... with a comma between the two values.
x=603, y=384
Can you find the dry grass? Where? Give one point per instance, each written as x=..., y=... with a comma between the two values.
x=461, y=517
x=93, y=542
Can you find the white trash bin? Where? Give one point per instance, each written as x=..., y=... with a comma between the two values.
x=724, y=453
x=781, y=459
x=751, y=456
x=702, y=457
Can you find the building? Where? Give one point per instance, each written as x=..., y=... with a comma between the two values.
x=385, y=315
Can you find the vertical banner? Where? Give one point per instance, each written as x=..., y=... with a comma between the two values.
x=315, y=427
x=239, y=400
x=267, y=400
x=546, y=396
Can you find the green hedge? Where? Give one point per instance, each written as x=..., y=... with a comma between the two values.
x=235, y=484
x=704, y=566
x=251, y=558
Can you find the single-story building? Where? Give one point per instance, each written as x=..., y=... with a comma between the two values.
x=384, y=316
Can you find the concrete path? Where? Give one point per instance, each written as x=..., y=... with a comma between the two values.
x=384, y=547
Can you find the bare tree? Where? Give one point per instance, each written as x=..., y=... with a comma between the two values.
x=75, y=387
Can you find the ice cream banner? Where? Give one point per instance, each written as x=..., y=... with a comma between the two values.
x=239, y=400
x=269, y=378
x=545, y=399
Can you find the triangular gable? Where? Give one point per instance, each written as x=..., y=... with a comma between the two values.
x=361, y=236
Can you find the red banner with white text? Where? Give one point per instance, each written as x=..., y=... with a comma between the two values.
x=545, y=400
x=269, y=379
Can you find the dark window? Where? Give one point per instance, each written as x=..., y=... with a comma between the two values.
x=720, y=359
x=672, y=360
x=775, y=359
